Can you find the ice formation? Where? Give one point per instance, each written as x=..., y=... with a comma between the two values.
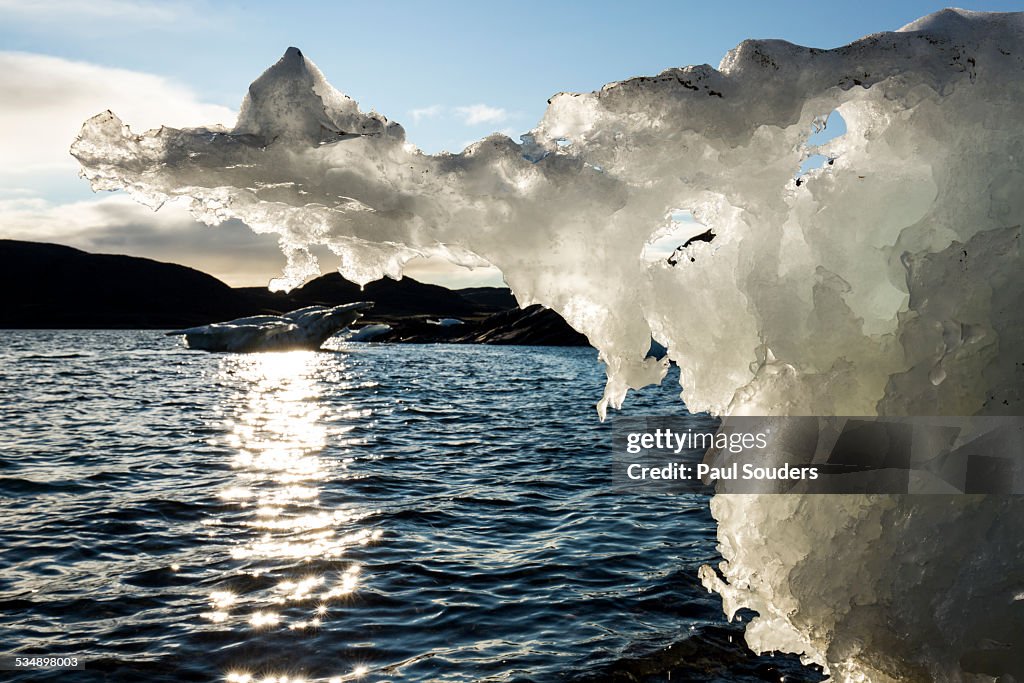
x=887, y=281
x=306, y=328
x=368, y=333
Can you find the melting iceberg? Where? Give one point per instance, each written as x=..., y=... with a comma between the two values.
x=306, y=328
x=368, y=333
x=888, y=281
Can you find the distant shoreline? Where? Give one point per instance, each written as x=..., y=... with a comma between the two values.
x=55, y=287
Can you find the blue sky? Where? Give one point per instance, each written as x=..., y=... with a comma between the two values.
x=451, y=72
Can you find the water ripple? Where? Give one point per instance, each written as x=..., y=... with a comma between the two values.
x=392, y=513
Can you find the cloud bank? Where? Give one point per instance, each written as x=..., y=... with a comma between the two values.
x=45, y=99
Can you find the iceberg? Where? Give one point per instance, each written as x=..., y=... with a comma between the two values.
x=887, y=281
x=368, y=332
x=305, y=328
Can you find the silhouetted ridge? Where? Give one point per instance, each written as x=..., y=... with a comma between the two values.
x=53, y=287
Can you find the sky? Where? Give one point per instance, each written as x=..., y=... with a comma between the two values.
x=449, y=72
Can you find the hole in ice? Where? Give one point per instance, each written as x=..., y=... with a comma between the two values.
x=680, y=253
x=657, y=350
x=681, y=231
x=562, y=142
x=824, y=129
x=813, y=162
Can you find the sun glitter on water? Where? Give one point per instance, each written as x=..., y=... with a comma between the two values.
x=278, y=432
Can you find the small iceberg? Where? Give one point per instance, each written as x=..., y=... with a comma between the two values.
x=306, y=328
x=368, y=332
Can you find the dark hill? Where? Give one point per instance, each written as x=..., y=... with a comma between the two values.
x=48, y=285
x=405, y=297
x=493, y=298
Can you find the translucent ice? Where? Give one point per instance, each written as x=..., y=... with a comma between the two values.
x=886, y=281
x=306, y=328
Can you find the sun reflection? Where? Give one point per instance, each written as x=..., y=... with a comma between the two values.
x=223, y=599
x=320, y=520
x=261, y=619
x=290, y=444
x=303, y=625
x=299, y=591
x=236, y=493
x=347, y=584
x=357, y=673
x=281, y=365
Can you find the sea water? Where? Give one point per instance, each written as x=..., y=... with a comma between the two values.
x=371, y=512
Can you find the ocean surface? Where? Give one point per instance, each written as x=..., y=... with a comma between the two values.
x=372, y=513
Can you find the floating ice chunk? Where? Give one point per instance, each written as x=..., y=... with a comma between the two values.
x=306, y=328
x=368, y=333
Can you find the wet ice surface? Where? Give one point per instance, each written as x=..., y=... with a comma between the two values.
x=173, y=515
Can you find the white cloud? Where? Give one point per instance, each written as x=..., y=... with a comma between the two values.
x=431, y=112
x=115, y=224
x=17, y=192
x=476, y=114
x=46, y=100
x=75, y=10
